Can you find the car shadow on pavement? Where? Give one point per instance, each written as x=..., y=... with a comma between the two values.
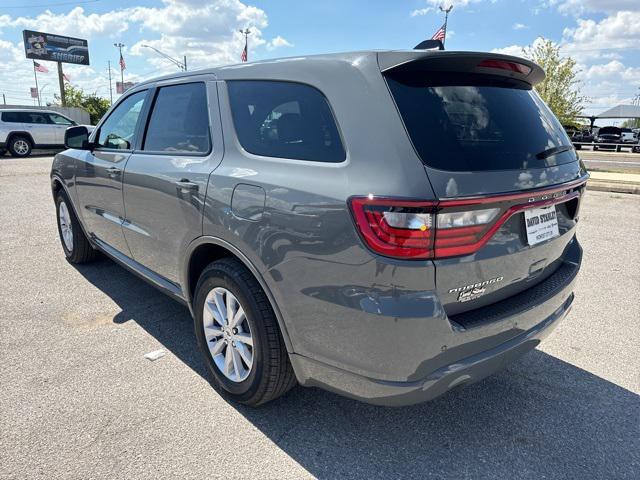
x=542, y=417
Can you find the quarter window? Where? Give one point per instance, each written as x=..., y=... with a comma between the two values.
x=119, y=130
x=284, y=119
x=180, y=120
x=12, y=117
x=59, y=119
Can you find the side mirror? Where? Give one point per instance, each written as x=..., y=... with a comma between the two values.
x=77, y=137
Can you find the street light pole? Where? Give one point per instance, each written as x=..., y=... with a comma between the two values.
x=246, y=33
x=181, y=65
x=446, y=19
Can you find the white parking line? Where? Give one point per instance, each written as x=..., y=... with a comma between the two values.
x=610, y=161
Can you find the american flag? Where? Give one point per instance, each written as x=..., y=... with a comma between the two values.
x=243, y=57
x=40, y=68
x=122, y=64
x=440, y=34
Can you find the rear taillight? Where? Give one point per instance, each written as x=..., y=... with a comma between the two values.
x=505, y=65
x=395, y=228
x=414, y=229
x=458, y=233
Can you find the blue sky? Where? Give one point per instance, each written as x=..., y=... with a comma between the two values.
x=603, y=35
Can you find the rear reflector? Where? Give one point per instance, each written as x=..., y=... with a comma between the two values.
x=505, y=65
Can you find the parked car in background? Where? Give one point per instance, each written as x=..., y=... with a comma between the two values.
x=21, y=131
x=581, y=136
x=388, y=225
x=608, y=138
x=628, y=136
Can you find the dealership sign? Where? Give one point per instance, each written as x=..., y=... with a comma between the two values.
x=55, y=48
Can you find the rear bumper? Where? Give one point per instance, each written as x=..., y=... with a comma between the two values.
x=462, y=372
x=468, y=353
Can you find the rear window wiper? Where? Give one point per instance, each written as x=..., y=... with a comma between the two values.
x=553, y=151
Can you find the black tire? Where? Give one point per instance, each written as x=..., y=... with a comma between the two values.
x=271, y=374
x=17, y=146
x=595, y=148
x=81, y=251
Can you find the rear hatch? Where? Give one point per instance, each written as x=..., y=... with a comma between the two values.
x=505, y=172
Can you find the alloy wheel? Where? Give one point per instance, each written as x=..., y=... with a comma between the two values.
x=21, y=147
x=228, y=335
x=65, y=226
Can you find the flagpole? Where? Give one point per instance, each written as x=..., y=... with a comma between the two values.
x=119, y=46
x=446, y=19
x=246, y=41
x=35, y=75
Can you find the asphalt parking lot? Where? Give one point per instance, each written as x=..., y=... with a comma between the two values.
x=79, y=400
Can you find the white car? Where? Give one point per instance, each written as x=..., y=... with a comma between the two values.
x=23, y=130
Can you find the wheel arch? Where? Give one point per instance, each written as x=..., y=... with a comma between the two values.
x=20, y=133
x=206, y=249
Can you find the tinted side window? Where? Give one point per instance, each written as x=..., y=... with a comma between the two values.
x=119, y=130
x=59, y=119
x=36, y=118
x=284, y=119
x=12, y=117
x=179, y=121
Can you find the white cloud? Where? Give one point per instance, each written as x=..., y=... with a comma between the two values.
x=579, y=7
x=205, y=31
x=74, y=23
x=520, y=26
x=422, y=11
x=278, y=42
x=618, y=31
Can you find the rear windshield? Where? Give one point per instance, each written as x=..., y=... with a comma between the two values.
x=478, y=122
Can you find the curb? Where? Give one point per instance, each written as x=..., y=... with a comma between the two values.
x=616, y=187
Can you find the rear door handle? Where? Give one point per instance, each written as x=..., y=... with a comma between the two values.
x=113, y=171
x=186, y=186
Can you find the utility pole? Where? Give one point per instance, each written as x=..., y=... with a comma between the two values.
x=63, y=100
x=184, y=62
x=110, y=87
x=446, y=19
x=246, y=33
x=119, y=46
x=4, y=99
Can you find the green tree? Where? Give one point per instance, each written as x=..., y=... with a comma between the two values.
x=631, y=123
x=92, y=103
x=561, y=87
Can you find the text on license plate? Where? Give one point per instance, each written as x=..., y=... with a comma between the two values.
x=541, y=224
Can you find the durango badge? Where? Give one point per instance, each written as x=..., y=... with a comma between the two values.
x=471, y=292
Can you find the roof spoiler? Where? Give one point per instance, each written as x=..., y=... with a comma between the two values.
x=464, y=62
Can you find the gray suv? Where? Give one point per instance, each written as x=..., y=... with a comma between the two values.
x=385, y=225
x=22, y=130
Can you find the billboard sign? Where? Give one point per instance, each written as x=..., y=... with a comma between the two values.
x=55, y=48
x=123, y=87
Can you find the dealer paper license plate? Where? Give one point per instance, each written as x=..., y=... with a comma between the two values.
x=541, y=223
